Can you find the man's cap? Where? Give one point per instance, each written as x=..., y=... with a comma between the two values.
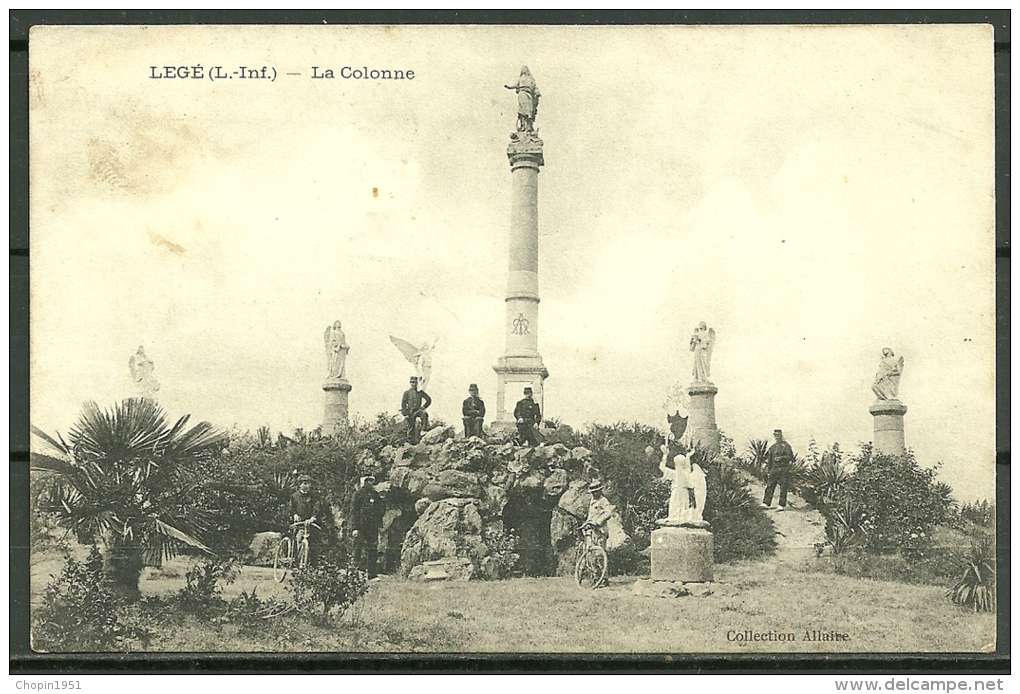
x=304, y=478
x=414, y=378
x=368, y=478
x=473, y=386
x=595, y=486
x=527, y=389
x=777, y=431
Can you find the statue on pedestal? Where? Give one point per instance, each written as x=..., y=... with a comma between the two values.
x=887, y=380
x=527, y=100
x=420, y=357
x=688, y=488
x=336, y=352
x=142, y=374
x=702, y=344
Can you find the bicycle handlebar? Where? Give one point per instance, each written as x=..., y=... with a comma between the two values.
x=306, y=523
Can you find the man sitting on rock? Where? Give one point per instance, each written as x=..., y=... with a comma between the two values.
x=473, y=411
x=366, y=518
x=528, y=416
x=413, y=406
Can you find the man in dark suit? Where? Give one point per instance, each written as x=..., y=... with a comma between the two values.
x=413, y=406
x=779, y=458
x=473, y=411
x=366, y=519
x=305, y=505
x=528, y=416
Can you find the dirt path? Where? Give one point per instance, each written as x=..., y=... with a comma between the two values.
x=798, y=528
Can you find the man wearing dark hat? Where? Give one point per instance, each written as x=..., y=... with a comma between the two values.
x=305, y=506
x=413, y=406
x=779, y=458
x=366, y=518
x=473, y=411
x=528, y=416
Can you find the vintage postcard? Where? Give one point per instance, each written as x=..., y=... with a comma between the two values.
x=512, y=339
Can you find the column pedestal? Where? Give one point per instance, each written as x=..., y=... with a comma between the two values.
x=701, y=416
x=682, y=554
x=888, y=416
x=334, y=417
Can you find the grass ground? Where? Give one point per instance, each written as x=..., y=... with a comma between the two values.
x=785, y=595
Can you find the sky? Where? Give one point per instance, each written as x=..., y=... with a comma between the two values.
x=813, y=193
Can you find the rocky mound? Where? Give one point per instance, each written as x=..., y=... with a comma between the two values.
x=455, y=498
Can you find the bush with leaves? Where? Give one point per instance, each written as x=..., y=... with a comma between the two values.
x=740, y=527
x=900, y=502
x=202, y=584
x=79, y=612
x=755, y=460
x=976, y=587
x=979, y=513
x=328, y=587
x=504, y=551
x=825, y=482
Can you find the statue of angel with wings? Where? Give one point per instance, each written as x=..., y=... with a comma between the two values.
x=142, y=374
x=336, y=351
x=887, y=380
x=702, y=344
x=419, y=357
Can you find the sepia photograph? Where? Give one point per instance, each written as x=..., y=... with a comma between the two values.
x=512, y=339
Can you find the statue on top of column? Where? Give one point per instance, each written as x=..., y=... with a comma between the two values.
x=142, y=374
x=527, y=100
x=336, y=351
x=887, y=381
x=702, y=344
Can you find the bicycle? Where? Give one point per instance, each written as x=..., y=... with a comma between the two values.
x=592, y=562
x=285, y=557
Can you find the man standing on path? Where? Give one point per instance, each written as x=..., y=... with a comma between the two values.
x=528, y=416
x=413, y=406
x=366, y=518
x=473, y=411
x=779, y=458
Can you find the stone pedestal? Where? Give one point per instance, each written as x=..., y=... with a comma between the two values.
x=681, y=553
x=334, y=418
x=888, y=416
x=521, y=364
x=701, y=416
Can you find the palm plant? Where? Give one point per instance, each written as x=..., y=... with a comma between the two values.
x=844, y=526
x=825, y=481
x=126, y=478
x=976, y=588
x=756, y=461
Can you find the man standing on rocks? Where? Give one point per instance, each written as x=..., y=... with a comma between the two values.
x=528, y=416
x=473, y=411
x=366, y=518
x=413, y=406
x=779, y=458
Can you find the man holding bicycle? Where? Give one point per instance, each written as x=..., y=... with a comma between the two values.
x=304, y=508
x=599, y=513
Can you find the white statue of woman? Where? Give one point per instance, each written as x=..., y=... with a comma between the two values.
x=887, y=380
x=702, y=344
x=336, y=351
x=143, y=374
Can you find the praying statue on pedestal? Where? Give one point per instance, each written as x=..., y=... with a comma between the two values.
x=702, y=344
x=336, y=351
x=887, y=380
x=687, y=488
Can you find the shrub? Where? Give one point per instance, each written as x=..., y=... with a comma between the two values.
x=899, y=501
x=504, y=555
x=980, y=513
x=201, y=589
x=328, y=587
x=844, y=526
x=976, y=587
x=79, y=611
x=740, y=527
x=825, y=482
x=754, y=461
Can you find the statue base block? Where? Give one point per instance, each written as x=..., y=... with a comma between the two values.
x=682, y=554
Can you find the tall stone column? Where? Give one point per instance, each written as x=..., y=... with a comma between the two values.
x=521, y=364
x=334, y=418
x=701, y=424
x=888, y=416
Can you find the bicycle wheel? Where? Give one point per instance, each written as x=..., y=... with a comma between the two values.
x=281, y=560
x=590, y=570
x=302, y=554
